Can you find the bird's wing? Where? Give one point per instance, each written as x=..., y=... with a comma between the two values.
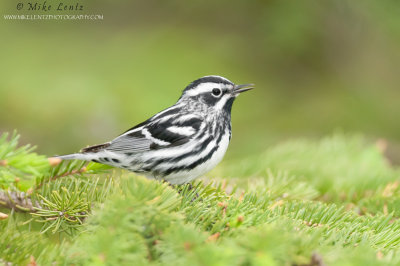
x=152, y=135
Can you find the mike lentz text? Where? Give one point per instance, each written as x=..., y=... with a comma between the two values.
x=43, y=6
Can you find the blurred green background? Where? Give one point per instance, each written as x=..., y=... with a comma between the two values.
x=318, y=66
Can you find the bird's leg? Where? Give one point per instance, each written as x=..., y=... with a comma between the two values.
x=177, y=187
x=190, y=187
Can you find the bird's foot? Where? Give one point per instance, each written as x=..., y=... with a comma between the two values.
x=182, y=190
x=189, y=188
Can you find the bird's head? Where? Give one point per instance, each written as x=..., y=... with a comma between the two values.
x=214, y=91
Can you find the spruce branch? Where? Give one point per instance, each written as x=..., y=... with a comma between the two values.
x=18, y=201
x=275, y=217
x=19, y=161
x=65, y=174
x=62, y=169
x=62, y=210
x=65, y=203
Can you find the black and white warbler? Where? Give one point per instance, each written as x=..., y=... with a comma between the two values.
x=179, y=143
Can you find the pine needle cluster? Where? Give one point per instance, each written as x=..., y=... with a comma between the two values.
x=332, y=202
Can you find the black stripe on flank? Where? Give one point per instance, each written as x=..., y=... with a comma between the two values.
x=195, y=151
x=197, y=162
x=192, y=165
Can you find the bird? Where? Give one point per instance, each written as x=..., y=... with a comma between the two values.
x=180, y=143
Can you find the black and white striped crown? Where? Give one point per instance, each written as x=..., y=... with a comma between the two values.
x=208, y=79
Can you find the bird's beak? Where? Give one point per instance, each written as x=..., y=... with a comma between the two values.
x=242, y=88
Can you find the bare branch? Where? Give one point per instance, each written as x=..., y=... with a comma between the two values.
x=19, y=201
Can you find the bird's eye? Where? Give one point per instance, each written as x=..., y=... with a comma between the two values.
x=216, y=92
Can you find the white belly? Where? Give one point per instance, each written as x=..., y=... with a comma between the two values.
x=187, y=176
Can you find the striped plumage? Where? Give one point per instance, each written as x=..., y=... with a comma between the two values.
x=179, y=143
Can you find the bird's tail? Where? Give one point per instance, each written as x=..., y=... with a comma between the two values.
x=76, y=156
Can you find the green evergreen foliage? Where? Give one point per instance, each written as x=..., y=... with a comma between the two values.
x=19, y=162
x=332, y=202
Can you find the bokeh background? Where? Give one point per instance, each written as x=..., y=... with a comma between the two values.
x=319, y=67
